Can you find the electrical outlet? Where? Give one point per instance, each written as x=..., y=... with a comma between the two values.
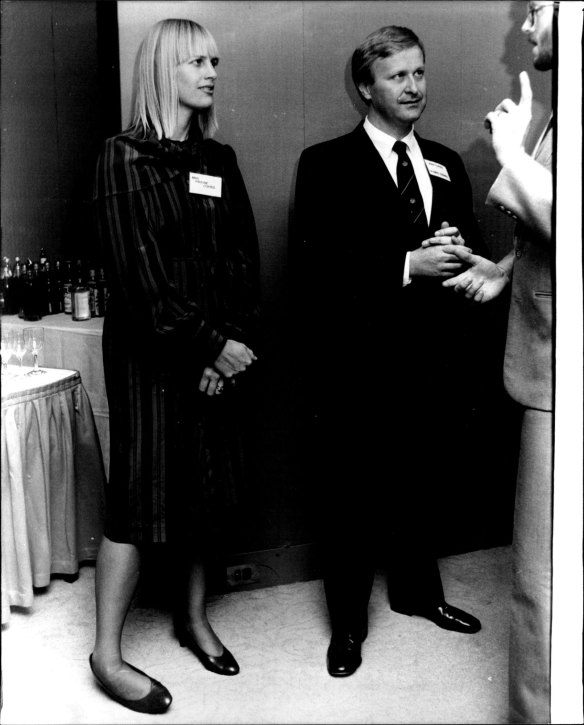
x=242, y=574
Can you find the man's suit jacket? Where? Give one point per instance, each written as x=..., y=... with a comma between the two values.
x=351, y=238
x=525, y=188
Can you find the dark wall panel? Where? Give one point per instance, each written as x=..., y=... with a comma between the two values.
x=31, y=207
x=52, y=124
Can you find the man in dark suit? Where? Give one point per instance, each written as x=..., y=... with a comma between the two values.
x=384, y=343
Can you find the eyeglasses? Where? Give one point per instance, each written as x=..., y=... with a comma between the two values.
x=532, y=12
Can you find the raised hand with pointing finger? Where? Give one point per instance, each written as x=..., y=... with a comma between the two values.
x=509, y=123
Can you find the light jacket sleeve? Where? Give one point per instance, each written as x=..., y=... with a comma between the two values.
x=525, y=189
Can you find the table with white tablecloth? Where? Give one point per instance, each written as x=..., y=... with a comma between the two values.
x=53, y=481
x=75, y=345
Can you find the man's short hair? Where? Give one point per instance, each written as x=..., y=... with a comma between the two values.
x=382, y=43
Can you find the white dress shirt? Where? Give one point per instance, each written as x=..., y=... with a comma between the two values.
x=383, y=142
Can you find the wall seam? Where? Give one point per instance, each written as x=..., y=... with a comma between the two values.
x=57, y=134
x=303, y=76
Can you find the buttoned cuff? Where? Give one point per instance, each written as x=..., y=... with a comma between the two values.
x=406, y=276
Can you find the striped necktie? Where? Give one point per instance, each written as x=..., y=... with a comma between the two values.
x=408, y=189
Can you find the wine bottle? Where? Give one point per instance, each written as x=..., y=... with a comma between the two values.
x=67, y=287
x=93, y=301
x=102, y=293
x=7, y=288
x=80, y=309
x=32, y=299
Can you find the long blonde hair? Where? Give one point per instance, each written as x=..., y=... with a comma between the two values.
x=167, y=44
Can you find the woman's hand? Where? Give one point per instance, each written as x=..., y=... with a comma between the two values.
x=211, y=382
x=234, y=358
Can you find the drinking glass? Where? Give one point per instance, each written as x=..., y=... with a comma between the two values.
x=7, y=349
x=19, y=347
x=34, y=338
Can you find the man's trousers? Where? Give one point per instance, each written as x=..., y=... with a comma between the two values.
x=529, y=653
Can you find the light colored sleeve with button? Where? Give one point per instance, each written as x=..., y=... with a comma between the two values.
x=524, y=189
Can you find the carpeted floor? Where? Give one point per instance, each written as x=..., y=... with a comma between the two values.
x=412, y=671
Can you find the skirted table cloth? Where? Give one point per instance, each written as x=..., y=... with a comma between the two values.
x=53, y=481
x=75, y=345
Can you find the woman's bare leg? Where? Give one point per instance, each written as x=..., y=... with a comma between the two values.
x=116, y=576
x=196, y=612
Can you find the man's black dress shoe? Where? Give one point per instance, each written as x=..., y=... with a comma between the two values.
x=447, y=617
x=343, y=657
x=155, y=702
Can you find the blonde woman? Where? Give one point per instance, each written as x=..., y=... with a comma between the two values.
x=178, y=235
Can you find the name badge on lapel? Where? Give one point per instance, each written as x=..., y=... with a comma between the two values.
x=437, y=169
x=204, y=184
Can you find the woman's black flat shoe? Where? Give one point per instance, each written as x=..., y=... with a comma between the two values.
x=224, y=664
x=155, y=702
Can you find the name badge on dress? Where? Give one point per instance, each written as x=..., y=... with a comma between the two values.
x=204, y=184
x=437, y=169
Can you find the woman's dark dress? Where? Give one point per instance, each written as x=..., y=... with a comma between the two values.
x=183, y=278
